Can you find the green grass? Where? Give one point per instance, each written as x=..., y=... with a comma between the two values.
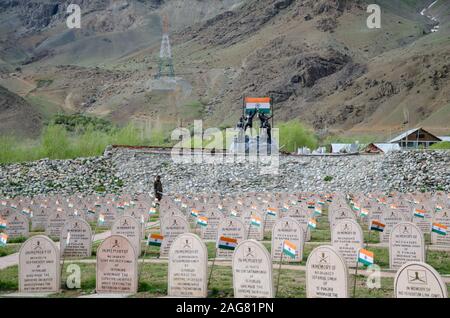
x=294, y=135
x=441, y=145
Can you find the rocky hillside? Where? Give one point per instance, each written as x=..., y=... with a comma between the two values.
x=316, y=58
x=133, y=171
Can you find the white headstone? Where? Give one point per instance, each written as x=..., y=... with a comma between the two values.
x=232, y=228
x=188, y=267
x=419, y=280
x=287, y=229
x=326, y=274
x=406, y=244
x=252, y=271
x=347, y=237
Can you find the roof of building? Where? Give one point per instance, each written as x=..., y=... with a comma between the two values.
x=343, y=148
x=388, y=147
x=407, y=133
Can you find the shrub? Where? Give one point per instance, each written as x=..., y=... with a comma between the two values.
x=294, y=135
x=441, y=145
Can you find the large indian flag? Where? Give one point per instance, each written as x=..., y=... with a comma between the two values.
x=262, y=104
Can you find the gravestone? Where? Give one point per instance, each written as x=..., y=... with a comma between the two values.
x=55, y=222
x=171, y=227
x=419, y=280
x=253, y=231
x=441, y=217
x=326, y=274
x=131, y=229
x=406, y=244
x=188, y=267
x=343, y=213
x=209, y=232
x=39, y=268
x=139, y=214
x=252, y=271
x=287, y=229
x=80, y=242
x=18, y=225
x=117, y=270
x=232, y=228
x=110, y=214
x=39, y=219
x=423, y=223
x=302, y=216
x=347, y=237
x=390, y=218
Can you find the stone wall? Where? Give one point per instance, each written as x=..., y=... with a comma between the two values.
x=133, y=170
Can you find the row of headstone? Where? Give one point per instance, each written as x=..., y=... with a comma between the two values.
x=327, y=273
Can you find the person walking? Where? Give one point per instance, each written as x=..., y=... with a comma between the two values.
x=157, y=185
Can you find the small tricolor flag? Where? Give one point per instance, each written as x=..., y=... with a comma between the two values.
x=312, y=223
x=419, y=213
x=272, y=211
x=366, y=257
x=90, y=211
x=317, y=211
x=220, y=207
x=438, y=208
x=377, y=226
x=101, y=219
x=364, y=213
x=202, y=221
x=194, y=212
x=440, y=229
x=255, y=220
x=4, y=203
x=311, y=205
x=152, y=211
x=155, y=240
x=260, y=104
x=3, y=239
x=227, y=243
x=3, y=224
x=356, y=208
x=289, y=248
x=14, y=206
x=320, y=203
x=26, y=211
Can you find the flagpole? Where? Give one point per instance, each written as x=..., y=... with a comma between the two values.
x=264, y=226
x=142, y=263
x=354, y=281
x=249, y=227
x=279, y=270
x=212, y=268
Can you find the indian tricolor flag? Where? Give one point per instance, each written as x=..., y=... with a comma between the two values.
x=2, y=224
x=261, y=104
x=312, y=223
x=438, y=208
x=440, y=229
x=101, y=219
x=195, y=213
x=377, y=226
x=272, y=211
x=26, y=211
x=227, y=243
x=364, y=213
x=155, y=240
x=356, y=207
x=152, y=211
x=317, y=211
x=289, y=248
x=255, y=220
x=202, y=221
x=3, y=239
x=320, y=202
x=311, y=205
x=366, y=257
x=419, y=213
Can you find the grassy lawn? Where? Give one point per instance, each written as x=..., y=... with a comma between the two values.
x=153, y=283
